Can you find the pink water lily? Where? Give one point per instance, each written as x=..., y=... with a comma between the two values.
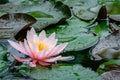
x=39, y=49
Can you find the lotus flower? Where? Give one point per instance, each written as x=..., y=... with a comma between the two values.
x=39, y=49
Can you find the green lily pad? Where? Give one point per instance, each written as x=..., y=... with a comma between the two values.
x=63, y=72
x=46, y=12
x=3, y=65
x=3, y=53
x=108, y=66
x=82, y=8
x=101, y=29
x=88, y=9
x=75, y=34
x=39, y=14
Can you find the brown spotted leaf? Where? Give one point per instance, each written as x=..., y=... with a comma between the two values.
x=11, y=24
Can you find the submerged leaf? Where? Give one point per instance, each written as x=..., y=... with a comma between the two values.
x=109, y=47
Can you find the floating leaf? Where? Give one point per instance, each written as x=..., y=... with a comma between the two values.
x=100, y=24
x=46, y=12
x=3, y=65
x=115, y=18
x=63, y=72
x=108, y=66
x=112, y=6
x=39, y=14
x=109, y=47
x=111, y=75
x=82, y=9
x=13, y=23
x=3, y=53
x=75, y=34
x=101, y=29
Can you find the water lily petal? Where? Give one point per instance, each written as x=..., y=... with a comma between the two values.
x=51, y=40
x=30, y=41
x=18, y=47
x=59, y=58
x=53, y=43
x=42, y=54
x=57, y=50
x=43, y=63
x=54, y=59
x=35, y=52
x=27, y=48
x=30, y=34
x=21, y=59
x=61, y=47
x=52, y=36
x=42, y=36
x=68, y=58
x=29, y=37
x=33, y=63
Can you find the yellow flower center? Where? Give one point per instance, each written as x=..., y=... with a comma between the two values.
x=41, y=46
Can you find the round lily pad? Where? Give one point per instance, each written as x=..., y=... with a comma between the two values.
x=63, y=72
x=13, y=23
x=75, y=33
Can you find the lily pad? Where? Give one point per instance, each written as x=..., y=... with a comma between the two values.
x=46, y=12
x=75, y=34
x=109, y=66
x=88, y=9
x=63, y=72
x=13, y=23
x=3, y=53
x=3, y=65
x=82, y=9
x=101, y=29
x=115, y=18
x=109, y=47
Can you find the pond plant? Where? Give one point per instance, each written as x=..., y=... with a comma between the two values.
x=59, y=40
